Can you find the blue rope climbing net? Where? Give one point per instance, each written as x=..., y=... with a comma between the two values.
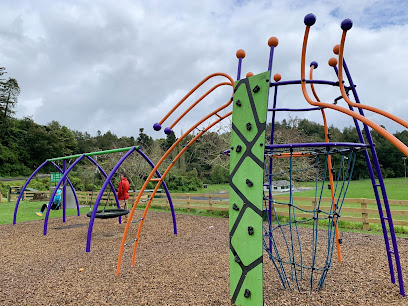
x=303, y=256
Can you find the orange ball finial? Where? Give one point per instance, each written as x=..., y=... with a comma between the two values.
x=249, y=74
x=333, y=62
x=336, y=49
x=240, y=53
x=273, y=41
x=277, y=77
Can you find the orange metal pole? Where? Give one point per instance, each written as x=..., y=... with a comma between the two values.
x=194, y=89
x=158, y=164
x=196, y=102
x=329, y=165
x=395, y=141
x=164, y=175
x=346, y=98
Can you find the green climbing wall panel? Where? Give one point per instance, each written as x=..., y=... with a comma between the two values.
x=246, y=189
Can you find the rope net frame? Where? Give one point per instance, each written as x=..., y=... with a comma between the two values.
x=302, y=261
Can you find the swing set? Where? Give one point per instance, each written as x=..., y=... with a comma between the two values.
x=96, y=212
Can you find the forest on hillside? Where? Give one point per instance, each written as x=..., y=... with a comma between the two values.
x=24, y=145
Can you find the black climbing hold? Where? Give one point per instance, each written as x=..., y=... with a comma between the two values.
x=239, y=148
x=261, y=144
x=235, y=207
x=237, y=259
x=267, y=80
x=247, y=293
x=329, y=187
x=232, y=148
x=249, y=183
x=340, y=241
x=256, y=88
x=248, y=126
x=250, y=230
x=238, y=103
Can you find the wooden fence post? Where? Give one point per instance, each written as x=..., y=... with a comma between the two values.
x=364, y=214
x=188, y=203
x=210, y=202
x=1, y=197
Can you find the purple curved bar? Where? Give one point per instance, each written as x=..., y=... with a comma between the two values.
x=98, y=199
x=108, y=178
x=55, y=191
x=28, y=181
x=105, y=175
x=24, y=187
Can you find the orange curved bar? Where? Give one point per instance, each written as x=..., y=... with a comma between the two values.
x=347, y=99
x=329, y=166
x=394, y=140
x=158, y=164
x=164, y=175
x=198, y=101
x=286, y=155
x=193, y=90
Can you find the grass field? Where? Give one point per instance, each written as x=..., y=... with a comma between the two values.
x=27, y=209
x=396, y=190
x=395, y=187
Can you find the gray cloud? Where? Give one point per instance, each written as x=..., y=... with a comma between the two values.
x=122, y=65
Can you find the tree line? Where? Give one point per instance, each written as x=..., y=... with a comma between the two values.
x=24, y=145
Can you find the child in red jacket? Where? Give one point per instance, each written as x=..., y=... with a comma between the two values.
x=123, y=192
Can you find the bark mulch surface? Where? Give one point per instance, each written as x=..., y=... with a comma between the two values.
x=191, y=268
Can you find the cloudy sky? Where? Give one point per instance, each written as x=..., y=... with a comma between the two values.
x=121, y=65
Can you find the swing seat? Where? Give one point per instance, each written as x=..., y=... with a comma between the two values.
x=109, y=213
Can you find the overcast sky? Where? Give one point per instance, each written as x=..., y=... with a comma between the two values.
x=121, y=65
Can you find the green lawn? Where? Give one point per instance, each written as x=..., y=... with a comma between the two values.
x=27, y=209
x=395, y=187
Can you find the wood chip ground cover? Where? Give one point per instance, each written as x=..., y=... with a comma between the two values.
x=191, y=268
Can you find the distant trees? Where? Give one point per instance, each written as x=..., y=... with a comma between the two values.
x=24, y=145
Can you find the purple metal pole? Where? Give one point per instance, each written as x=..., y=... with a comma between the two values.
x=384, y=194
x=64, y=192
x=24, y=187
x=105, y=175
x=173, y=214
x=98, y=199
x=270, y=161
x=316, y=144
x=270, y=58
x=294, y=109
x=72, y=187
x=55, y=191
x=307, y=82
x=239, y=69
x=374, y=183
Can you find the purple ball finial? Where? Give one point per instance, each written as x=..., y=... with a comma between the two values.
x=157, y=126
x=346, y=24
x=168, y=131
x=310, y=19
x=315, y=64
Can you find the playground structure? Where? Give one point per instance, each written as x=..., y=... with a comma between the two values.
x=251, y=160
x=250, y=157
x=104, y=213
